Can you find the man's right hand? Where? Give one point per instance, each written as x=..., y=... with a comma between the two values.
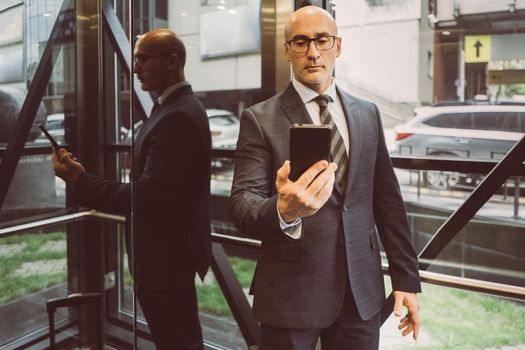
x=308, y=194
x=66, y=166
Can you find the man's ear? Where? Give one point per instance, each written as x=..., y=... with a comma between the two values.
x=174, y=61
x=338, y=46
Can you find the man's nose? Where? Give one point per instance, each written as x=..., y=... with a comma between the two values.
x=313, y=51
x=136, y=67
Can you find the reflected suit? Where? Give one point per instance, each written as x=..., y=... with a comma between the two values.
x=171, y=172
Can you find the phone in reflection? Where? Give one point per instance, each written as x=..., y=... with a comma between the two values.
x=49, y=137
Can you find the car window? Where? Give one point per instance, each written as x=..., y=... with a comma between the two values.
x=450, y=120
x=500, y=121
x=55, y=124
x=223, y=120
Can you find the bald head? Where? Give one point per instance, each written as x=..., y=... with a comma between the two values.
x=163, y=41
x=159, y=60
x=312, y=46
x=309, y=14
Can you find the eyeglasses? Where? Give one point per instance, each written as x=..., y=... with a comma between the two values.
x=302, y=44
x=141, y=59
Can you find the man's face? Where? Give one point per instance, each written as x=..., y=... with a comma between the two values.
x=151, y=66
x=314, y=67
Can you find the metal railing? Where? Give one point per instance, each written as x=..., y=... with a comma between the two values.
x=491, y=288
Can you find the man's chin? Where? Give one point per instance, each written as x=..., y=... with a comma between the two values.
x=313, y=80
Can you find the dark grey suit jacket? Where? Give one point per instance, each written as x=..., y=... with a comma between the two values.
x=301, y=283
x=171, y=175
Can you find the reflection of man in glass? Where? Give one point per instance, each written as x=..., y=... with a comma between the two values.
x=319, y=274
x=171, y=175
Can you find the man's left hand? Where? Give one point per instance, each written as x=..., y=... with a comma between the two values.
x=66, y=166
x=411, y=322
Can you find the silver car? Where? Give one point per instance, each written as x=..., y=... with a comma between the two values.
x=224, y=128
x=467, y=132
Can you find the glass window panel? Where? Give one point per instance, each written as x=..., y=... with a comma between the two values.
x=489, y=247
x=33, y=269
x=34, y=189
x=30, y=194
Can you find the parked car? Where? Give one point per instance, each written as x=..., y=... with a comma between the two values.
x=468, y=132
x=224, y=128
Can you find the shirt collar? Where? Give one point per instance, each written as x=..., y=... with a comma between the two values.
x=170, y=89
x=306, y=94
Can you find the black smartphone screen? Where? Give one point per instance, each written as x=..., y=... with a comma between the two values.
x=309, y=144
x=49, y=137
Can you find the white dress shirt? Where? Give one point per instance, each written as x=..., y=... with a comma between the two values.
x=335, y=108
x=170, y=89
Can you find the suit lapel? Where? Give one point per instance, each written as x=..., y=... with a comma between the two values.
x=353, y=121
x=293, y=107
x=156, y=115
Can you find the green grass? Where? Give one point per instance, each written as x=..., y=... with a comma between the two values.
x=210, y=295
x=13, y=286
x=211, y=300
x=458, y=319
x=463, y=320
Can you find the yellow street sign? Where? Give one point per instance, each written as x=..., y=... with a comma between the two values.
x=477, y=48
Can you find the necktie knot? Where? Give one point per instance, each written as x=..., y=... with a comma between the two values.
x=323, y=100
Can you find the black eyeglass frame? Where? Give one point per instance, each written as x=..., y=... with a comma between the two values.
x=307, y=46
x=142, y=59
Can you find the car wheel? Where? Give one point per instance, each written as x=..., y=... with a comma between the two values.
x=441, y=180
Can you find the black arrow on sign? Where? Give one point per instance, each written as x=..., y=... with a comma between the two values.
x=477, y=45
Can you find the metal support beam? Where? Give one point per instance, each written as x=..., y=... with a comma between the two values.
x=234, y=295
x=122, y=48
x=275, y=72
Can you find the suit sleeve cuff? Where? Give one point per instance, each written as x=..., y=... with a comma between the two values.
x=293, y=229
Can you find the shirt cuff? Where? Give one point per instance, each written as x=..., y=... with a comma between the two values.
x=293, y=229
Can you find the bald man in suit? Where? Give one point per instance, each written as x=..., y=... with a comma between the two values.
x=171, y=176
x=319, y=274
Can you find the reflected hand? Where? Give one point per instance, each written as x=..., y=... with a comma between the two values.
x=308, y=194
x=411, y=322
x=66, y=166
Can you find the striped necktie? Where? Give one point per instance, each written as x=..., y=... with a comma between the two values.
x=338, y=150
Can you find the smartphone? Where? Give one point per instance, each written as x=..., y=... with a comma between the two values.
x=49, y=137
x=309, y=144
